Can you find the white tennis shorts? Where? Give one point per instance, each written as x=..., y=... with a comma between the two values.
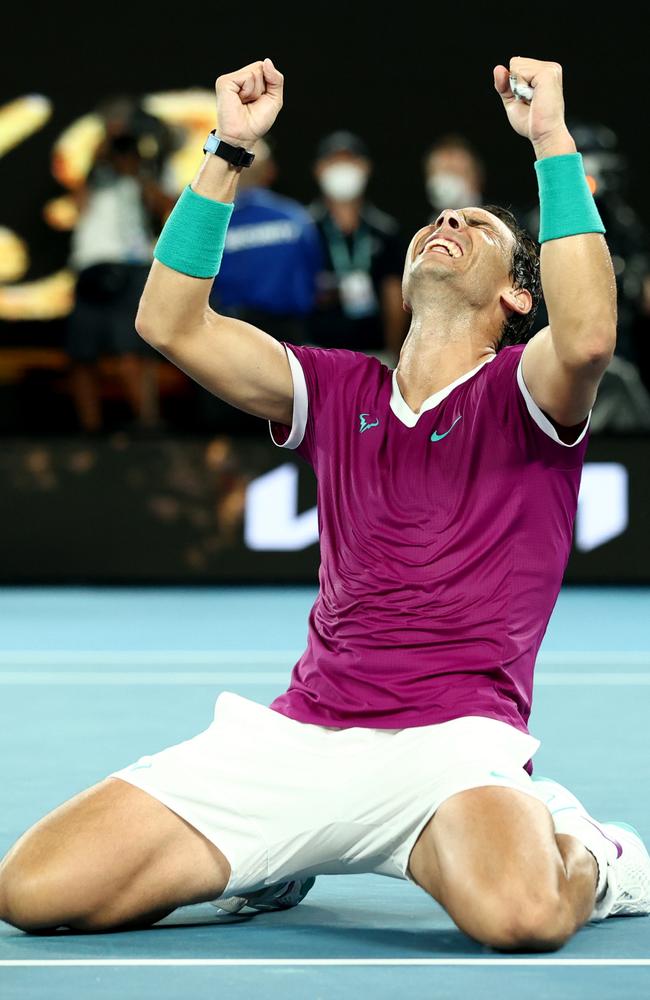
x=284, y=799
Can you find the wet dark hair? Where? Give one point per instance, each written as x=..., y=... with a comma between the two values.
x=524, y=270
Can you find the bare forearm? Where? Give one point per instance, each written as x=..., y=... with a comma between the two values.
x=172, y=300
x=237, y=362
x=578, y=284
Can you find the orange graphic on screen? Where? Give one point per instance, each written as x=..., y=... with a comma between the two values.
x=191, y=113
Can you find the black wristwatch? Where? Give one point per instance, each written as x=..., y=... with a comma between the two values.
x=237, y=155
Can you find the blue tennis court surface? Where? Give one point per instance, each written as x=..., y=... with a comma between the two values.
x=92, y=679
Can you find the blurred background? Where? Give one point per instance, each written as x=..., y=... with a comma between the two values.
x=115, y=467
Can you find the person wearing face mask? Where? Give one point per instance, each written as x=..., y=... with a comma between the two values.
x=453, y=174
x=359, y=304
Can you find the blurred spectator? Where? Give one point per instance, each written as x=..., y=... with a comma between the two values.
x=272, y=256
x=121, y=206
x=454, y=176
x=360, y=296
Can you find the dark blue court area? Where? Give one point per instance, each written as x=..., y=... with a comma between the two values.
x=91, y=679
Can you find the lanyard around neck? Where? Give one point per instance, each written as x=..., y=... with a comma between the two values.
x=344, y=262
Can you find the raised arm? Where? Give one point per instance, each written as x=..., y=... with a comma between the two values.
x=564, y=363
x=237, y=362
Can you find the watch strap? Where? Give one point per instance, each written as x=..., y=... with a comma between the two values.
x=237, y=155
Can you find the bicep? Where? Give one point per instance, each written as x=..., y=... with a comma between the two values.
x=238, y=363
x=566, y=393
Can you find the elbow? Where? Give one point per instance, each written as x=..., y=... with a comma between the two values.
x=594, y=350
x=150, y=330
x=143, y=325
x=601, y=349
x=142, y=330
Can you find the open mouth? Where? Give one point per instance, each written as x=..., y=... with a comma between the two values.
x=438, y=244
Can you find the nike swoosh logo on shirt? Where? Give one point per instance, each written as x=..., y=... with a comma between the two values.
x=438, y=437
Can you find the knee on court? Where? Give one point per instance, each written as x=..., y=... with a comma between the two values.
x=41, y=893
x=532, y=919
x=28, y=900
x=45, y=900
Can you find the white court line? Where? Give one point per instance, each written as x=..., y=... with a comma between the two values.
x=162, y=962
x=88, y=678
x=568, y=679
x=595, y=658
x=281, y=657
x=154, y=657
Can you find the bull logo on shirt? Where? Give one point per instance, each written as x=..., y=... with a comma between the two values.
x=365, y=426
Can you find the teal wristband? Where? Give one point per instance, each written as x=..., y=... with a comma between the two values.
x=567, y=207
x=194, y=235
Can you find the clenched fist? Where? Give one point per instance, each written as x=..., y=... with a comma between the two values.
x=541, y=120
x=248, y=102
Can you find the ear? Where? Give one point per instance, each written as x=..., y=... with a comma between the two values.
x=517, y=300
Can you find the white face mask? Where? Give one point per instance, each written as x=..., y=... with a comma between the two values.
x=450, y=191
x=343, y=181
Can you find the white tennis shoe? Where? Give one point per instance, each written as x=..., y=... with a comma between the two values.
x=628, y=875
x=627, y=884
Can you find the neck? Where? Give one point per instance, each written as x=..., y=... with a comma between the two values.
x=345, y=213
x=441, y=346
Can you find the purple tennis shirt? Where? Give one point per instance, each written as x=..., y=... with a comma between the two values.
x=444, y=536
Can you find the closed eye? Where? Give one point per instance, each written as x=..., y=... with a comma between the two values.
x=480, y=222
x=484, y=224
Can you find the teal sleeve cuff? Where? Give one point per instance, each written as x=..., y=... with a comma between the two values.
x=194, y=235
x=567, y=207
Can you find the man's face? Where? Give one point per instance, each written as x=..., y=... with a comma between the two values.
x=342, y=176
x=457, y=162
x=470, y=248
